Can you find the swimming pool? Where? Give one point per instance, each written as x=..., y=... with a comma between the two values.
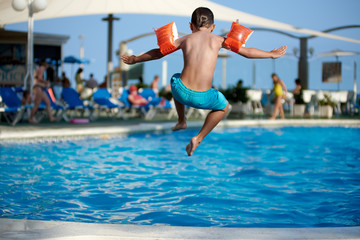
x=238, y=177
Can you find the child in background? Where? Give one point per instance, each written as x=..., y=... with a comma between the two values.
x=193, y=86
x=280, y=92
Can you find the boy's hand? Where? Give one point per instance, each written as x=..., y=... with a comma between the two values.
x=128, y=59
x=276, y=53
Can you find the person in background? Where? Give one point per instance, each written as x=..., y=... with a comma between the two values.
x=239, y=84
x=39, y=88
x=298, y=92
x=79, y=81
x=65, y=80
x=26, y=100
x=104, y=83
x=280, y=92
x=61, y=82
x=298, y=96
x=50, y=75
x=91, y=83
x=135, y=98
x=155, y=84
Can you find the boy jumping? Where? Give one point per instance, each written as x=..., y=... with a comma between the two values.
x=193, y=87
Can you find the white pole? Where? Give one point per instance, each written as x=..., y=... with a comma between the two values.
x=355, y=88
x=82, y=51
x=164, y=74
x=30, y=50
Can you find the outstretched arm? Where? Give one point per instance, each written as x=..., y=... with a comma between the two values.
x=148, y=56
x=257, y=53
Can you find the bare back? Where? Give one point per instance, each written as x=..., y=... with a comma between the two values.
x=200, y=51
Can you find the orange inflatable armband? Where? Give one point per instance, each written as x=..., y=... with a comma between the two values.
x=237, y=37
x=166, y=37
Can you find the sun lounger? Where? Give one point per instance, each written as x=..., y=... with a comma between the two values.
x=255, y=100
x=57, y=106
x=74, y=104
x=150, y=110
x=11, y=107
x=102, y=98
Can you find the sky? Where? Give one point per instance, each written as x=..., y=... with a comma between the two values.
x=315, y=15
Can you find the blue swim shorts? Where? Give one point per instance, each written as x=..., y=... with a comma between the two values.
x=211, y=99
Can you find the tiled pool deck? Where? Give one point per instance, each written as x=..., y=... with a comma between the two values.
x=56, y=230
x=40, y=230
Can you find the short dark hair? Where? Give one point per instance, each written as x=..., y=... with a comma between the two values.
x=202, y=17
x=297, y=81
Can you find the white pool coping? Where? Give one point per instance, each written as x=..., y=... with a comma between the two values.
x=46, y=132
x=11, y=229
x=57, y=230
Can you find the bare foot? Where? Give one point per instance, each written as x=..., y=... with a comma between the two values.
x=33, y=121
x=179, y=126
x=272, y=118
x=190, y=148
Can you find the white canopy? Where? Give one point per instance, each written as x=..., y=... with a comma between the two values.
x=66, y=8
x=337, y=53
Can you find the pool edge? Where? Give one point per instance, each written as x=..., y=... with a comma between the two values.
x=59, y=230
x=10, y=134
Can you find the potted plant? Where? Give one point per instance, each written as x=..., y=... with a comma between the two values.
x=326, y=106
x=299, y=109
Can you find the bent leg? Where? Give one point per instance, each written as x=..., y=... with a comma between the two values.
x=37, y=102
x=281, y=109
x=212, y=119
x=180, y=109
x=46, y=99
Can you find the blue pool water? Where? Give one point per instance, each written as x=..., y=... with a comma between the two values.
x=238, y=177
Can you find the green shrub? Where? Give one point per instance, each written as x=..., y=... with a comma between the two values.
x=235, y=94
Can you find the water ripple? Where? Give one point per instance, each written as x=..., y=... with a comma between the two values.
x=239, y=177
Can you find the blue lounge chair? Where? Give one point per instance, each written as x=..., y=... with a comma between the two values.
x=60, y=110
x=149, y=110
x=160, y=104
x=134, y=109
x=147, y=93
x=73, y=102
x=102, y=98
x=11, y=105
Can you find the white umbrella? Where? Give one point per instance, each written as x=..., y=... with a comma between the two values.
x=66, y=8
x=336, y=53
